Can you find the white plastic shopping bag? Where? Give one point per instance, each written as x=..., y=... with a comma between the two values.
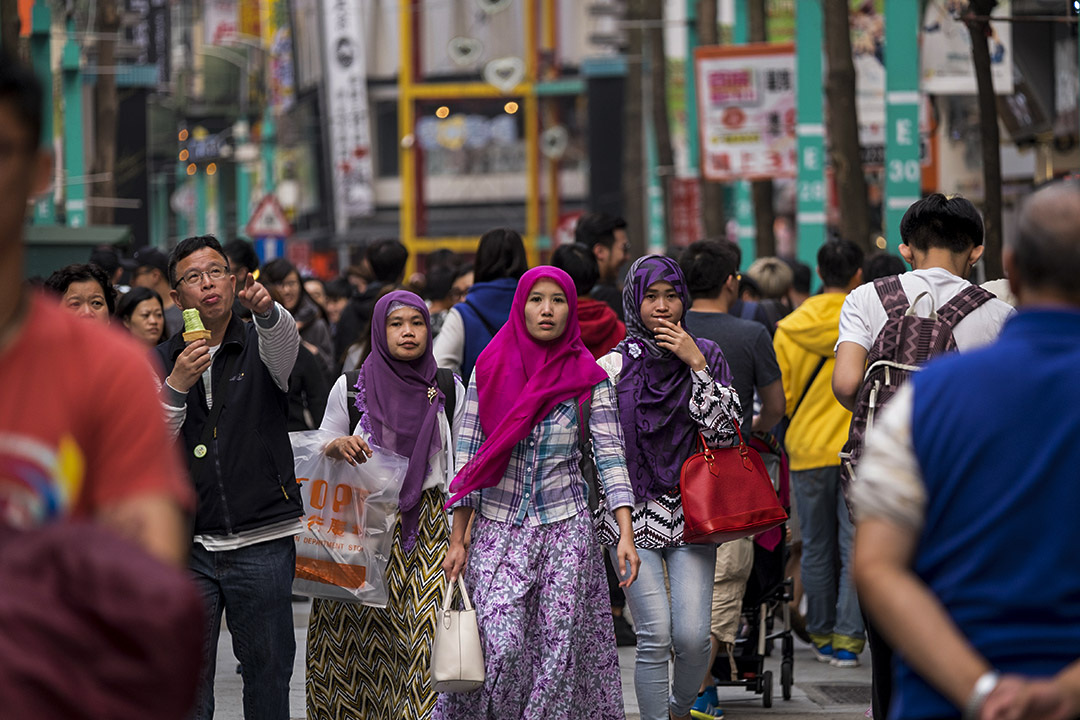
x=350, y=514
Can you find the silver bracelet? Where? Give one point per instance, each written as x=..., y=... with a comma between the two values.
x=983, y=687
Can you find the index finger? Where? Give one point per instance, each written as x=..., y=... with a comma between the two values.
x=249, y=281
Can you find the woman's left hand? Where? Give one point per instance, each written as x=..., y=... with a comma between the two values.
x=670, y=336
x=629, y=562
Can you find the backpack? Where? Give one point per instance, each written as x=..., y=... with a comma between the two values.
x=905, y=343
x=444, y=378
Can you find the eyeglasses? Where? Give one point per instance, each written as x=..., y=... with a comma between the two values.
x=288, y=285
x=193, y=277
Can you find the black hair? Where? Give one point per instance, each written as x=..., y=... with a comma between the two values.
x=59, y=281
x=579, y=262
x=191, y=245
x=132, y=299
x=439, y=281
x=937, y=221
x=20, y=89
x=800, y=274
x=598, y=229
x=882, y=264
x=338, y=288
x=707, y=265
x=275, y=272
x=442, y=256
x=387, y=259
x=838, y=261
x=501, y=254
x=240, y=253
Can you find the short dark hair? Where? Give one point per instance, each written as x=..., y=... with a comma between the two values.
x=501, y=254
x=598, y=228
x=387, y=259
x=240, y=253
x=838, y=261
x=800, y=275
x=59, y=281
x=20, y=89
x=707, y=264
x=883, y=264
x=439, y=279
x=937, y=221
x=339, y=288
x=190, y=245
x=579, y=262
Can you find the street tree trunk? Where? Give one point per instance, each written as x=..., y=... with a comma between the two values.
x=9, y=26
x=843, y=126
x=990, y=134
x=105, y=113
x=665, y=156
x=633, y=147
x=712, y=193
x=762, y=190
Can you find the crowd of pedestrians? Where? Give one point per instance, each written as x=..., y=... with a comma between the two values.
x=927, y=509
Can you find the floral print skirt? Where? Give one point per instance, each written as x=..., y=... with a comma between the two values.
x=542, y=604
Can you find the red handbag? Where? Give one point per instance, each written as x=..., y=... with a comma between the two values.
x=727, y=494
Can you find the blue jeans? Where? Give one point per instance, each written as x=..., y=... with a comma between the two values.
x=254, y=586
x=832, y=608
x=679, y=619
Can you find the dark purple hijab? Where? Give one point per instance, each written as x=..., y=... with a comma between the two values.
x=402, y=401
x=654, y=386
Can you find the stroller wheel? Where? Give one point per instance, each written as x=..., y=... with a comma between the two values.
x=786, y=679
x=766, y=689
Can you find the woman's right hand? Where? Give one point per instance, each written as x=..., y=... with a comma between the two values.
x=454, y=563
x=350, y=448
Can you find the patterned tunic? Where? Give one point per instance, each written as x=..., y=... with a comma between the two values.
x=658, y=523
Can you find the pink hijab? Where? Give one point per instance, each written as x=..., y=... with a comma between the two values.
x=520, y=380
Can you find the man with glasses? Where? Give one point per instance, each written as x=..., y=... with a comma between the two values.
x=225, y=398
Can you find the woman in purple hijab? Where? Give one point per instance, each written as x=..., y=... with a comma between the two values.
x=671, y=386
x=373, y=662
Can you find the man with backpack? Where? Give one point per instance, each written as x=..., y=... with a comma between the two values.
x=896, y=323
x=804, y=345
x=964, y=500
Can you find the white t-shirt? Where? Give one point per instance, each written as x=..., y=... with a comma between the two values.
x=863, y=316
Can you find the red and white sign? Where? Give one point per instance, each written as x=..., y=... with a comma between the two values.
x=746, y=111
x=268, y=220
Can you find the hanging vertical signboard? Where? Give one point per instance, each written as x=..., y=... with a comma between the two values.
x=348, y=130
x=746, y=111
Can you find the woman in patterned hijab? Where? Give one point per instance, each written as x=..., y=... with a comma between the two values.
x=671, y=386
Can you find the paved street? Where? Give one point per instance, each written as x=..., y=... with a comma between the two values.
x=819, y=691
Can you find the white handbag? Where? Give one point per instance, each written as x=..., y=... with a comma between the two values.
x=457, y=658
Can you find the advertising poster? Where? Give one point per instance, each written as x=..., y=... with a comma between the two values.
x=947, y=68
x=348, y=129
x=746, y=111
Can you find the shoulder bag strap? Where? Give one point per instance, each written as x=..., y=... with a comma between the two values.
x=813, y=377
x=444, y=378
x=962, y=304
x=891, y=293
x=350, y=398
x=488, y=326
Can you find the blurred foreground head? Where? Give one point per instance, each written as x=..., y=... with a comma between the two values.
x=1042, y=258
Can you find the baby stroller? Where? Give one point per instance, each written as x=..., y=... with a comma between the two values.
x=765, y=610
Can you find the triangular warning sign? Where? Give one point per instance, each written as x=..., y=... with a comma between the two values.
x=268, y=220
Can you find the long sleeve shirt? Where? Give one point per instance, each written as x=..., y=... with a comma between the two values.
x=543, y=481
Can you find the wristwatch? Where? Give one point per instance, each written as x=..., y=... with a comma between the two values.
x=983, y=687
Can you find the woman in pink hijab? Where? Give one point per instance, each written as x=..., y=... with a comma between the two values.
x=533, y=568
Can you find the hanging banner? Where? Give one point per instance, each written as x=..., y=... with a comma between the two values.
x=746, y=111
x=220, y=19
x=348, y=129
x=947, y=68
x=277, y=39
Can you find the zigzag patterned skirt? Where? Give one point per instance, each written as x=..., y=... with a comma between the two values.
x=366, y=663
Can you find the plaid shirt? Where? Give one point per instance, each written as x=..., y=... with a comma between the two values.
x=543, y=482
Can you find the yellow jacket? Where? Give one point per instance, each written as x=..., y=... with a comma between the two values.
x=819, y=429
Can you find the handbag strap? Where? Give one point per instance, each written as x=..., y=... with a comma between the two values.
x=448, y=596
x=743, y=448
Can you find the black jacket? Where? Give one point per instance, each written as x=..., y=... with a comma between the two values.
x=246, y=479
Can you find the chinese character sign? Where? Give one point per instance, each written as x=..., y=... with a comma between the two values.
x=746, y=111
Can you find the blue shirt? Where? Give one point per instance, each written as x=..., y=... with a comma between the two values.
x=997, y=437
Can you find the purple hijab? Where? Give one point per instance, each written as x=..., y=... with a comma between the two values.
x=654, y=386
x=402, y=411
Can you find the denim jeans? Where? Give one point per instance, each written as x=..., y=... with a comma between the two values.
x=253, y=585
x=832, y=608
x=679, y=619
